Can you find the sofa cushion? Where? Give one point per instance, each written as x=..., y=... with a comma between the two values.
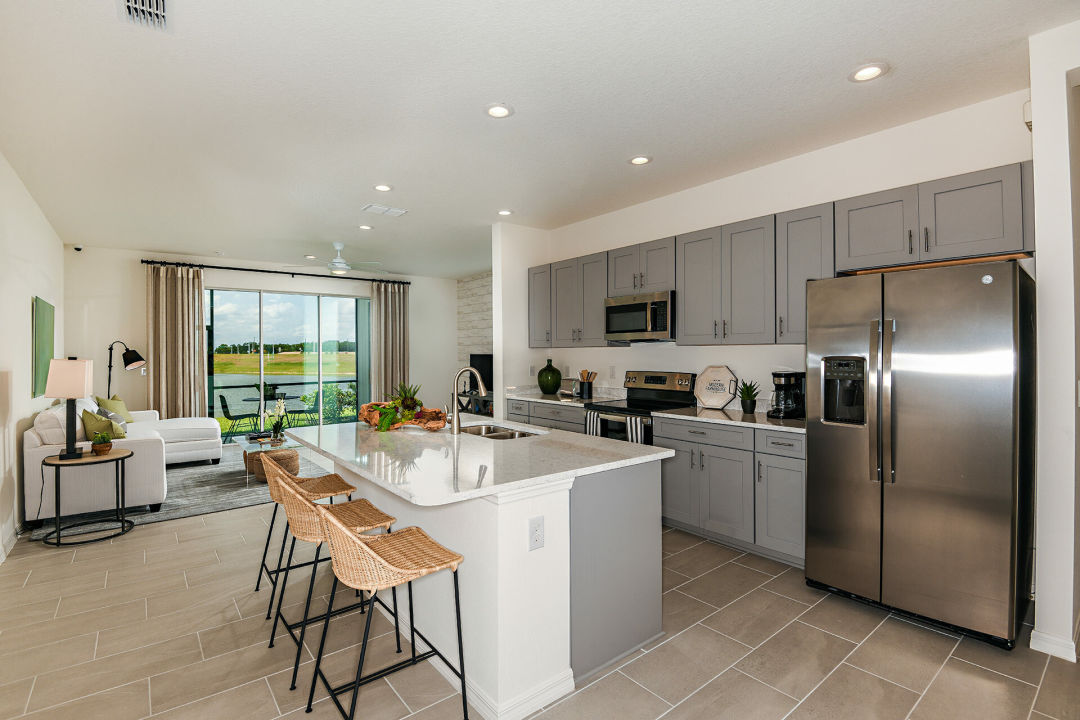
x=94, y=424
x=51, y=424
x=116, y=405
x=184, y=429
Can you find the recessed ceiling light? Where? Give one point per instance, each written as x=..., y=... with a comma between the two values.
x=640, y=160
x=309, y=257
x=506, y=212
x=383, y=188
x=869, y=71
x=365, y=227
x=500, y=110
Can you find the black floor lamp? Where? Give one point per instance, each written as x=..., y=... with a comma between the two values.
x=132, y=359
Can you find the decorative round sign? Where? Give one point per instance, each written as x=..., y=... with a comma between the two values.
x=716, y=386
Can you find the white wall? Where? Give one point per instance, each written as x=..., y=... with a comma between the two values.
x=31, y=263
x=106, y=297
x=1053, y=55
x=975, y=137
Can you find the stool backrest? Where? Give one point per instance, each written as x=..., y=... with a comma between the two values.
x=354, y=563
x=274, y=475
x=304, y=521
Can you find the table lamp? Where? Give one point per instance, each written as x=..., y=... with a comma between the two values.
x=69, y=380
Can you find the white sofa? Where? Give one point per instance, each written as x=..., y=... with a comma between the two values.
x=154, y=442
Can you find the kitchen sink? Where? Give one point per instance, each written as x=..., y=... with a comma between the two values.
x=496, y=432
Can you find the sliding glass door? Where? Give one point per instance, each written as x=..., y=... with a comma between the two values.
x=266, y=347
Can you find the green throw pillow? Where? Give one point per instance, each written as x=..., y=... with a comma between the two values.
x=117, y=406
x=93, y=424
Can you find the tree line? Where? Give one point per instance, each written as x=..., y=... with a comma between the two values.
x=252, y=347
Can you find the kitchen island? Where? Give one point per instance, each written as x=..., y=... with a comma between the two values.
x=561, y=538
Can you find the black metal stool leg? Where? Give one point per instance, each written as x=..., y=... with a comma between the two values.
x=412, y=624
x=397, y=627
x=266, y=547
x=360, y=665
x=461, y=648
x=281, y=592
x=322, y=644
x=303, y=625
x=277, y=573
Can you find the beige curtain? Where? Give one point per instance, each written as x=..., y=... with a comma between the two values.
x=177, y=352
x=389, y=338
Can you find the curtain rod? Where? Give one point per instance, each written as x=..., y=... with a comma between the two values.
x=164, y=263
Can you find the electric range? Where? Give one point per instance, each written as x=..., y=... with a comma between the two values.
x=647, y=391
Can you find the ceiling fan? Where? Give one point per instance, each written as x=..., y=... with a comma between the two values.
x=339, y=266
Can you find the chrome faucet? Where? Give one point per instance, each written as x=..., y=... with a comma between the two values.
x=455, y=423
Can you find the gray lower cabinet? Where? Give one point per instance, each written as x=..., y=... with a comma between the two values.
x=804, y=251
x=557, y=424
x=780, y=504
x=726, y=492
x=697, y=276
x=514, y=417
x=678, y=482
x=748, y=282
x=540, y=306
x=877, y=230
x=979, y=213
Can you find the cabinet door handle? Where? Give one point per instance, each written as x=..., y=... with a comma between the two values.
x=926, y=239
x=715, y=328
x=910, y=243
x=635, y=280
x=759, y=471
x=725, y=328
x=691, y=459
x=701, y=459
x=643, y=276
x=696, y=432
x=781, y=326
x=781, y=444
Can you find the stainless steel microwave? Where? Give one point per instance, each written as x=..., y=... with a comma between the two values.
x=649, y=316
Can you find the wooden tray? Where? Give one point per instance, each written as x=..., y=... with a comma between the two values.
x=427, y=418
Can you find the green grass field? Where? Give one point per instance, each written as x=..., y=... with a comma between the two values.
x=341, y=363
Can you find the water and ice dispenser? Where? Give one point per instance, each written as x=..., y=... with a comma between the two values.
x=844, y=396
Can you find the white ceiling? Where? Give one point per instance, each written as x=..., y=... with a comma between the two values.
x=258, y=127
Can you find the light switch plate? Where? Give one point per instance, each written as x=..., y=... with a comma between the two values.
x=536, y=533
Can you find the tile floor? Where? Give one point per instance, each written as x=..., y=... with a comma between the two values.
x=162, y=623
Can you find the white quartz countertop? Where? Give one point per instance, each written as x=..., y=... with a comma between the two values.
x=734, y=417
x=437, y=468
x=599, y=395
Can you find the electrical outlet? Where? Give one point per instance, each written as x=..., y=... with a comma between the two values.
x=536, y=533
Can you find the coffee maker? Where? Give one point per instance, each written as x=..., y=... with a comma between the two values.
x=789, y=395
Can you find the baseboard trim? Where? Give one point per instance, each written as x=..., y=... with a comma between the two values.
x=1063, y=648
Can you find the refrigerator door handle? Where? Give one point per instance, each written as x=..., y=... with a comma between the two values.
x=888, y=464
x=872, y=370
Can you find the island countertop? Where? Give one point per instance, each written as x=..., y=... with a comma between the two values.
x=437, y=468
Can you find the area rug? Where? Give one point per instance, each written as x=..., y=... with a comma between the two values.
x=195, y=488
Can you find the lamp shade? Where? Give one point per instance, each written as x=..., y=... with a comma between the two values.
x=70, y=379
x=132, y=359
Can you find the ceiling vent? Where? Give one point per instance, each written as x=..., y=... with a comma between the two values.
x=150, y=13
x=377, y=209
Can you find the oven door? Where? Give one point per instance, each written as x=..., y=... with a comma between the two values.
x=615, y=427
x=639, y=317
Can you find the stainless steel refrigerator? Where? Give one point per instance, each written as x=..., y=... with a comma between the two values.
x=920, y=441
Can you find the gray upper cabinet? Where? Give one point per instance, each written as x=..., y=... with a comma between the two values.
x=780, y=493
x=979, y=213
x=648, y=267
x=540, y=306
x=697, y=276
x=592, y=271
x=877, y=230
x=657, y=260
x=748, y=264
x=565, y=303
x=804, y=251
x=726, y=492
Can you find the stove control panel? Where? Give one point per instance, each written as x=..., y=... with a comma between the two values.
x=654, y=380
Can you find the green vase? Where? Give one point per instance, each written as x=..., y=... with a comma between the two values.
x=549, y=379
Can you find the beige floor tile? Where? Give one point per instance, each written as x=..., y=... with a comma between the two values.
x=128, y=702
x=904, y=653
x=12, y=578
x=850, y=619
x=43, y=633
x=754, y=617
x=681, y=666
x=155, y=630
x=762, y=564
x=13, y=697
x=792, y=583
x=347, y=630
x=196, y=681
x=247, y=702
x=733, y=696
x=448, y=709
x=700, y=559
x=675, y=541
x=1059, y=696
x=119, y=593
x=615, y=696
x=53, y=590
x=29, y=613
x=963, y=690
x=796, y=659
x=1021, y=662
x=121, y=555
x=167, y=603
x=680, y=612
x=80, y=680
x=421, y=685
x=376, y=701
x=724, y=584
x=245, y=632
x=672, y=579
x=851, y=694
x=27, y=663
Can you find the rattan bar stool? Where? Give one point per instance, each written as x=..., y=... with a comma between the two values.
x=322, y=487
x=305, y=523
x=378, y=562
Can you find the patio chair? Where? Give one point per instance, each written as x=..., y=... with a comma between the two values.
x=236, y=422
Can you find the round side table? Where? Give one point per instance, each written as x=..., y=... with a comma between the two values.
x=116, y=456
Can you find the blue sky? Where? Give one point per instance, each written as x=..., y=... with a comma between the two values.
x=286, y=318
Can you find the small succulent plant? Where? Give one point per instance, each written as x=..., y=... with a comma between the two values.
x=748, y=390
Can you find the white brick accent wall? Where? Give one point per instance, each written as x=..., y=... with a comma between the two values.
x=474, y=316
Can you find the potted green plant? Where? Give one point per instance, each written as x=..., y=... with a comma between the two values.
x=748, y=392
x=275, y=419
x=101, y=443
